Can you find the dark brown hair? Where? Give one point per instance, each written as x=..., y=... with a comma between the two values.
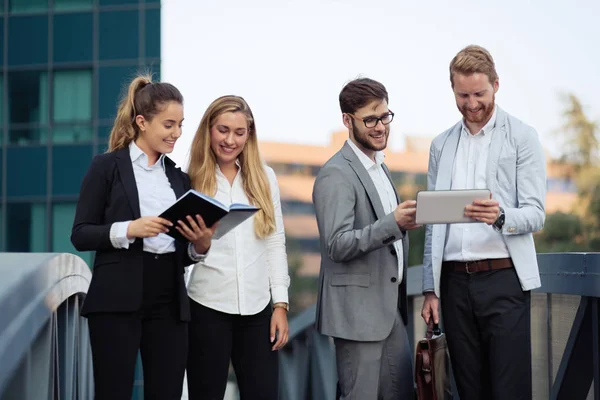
x=143, y=98
x=360, y=92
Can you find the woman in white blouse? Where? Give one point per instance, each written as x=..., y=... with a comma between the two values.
x=239, y=291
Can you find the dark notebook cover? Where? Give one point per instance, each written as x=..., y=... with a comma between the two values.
x=211, y=211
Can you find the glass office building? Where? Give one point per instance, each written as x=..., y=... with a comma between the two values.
x=64, y=64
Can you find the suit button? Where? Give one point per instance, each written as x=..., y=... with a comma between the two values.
x=393, y=251
x=394, y=279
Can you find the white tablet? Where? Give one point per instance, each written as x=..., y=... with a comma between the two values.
x=446, y=206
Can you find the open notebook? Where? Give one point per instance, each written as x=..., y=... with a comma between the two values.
x=211, y=211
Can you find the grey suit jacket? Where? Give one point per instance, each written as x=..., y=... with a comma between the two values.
x=516, y=176
x=359, y=295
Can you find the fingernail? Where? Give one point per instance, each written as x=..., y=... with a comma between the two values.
x=272, y=338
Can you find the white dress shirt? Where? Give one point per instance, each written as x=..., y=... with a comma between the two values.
x=473, y=241
x=385, y=190
x=241, y=272
x=155, y=196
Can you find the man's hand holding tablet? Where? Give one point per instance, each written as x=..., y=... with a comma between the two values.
x=456, y=206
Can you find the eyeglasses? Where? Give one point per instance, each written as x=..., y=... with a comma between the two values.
x=372, y=122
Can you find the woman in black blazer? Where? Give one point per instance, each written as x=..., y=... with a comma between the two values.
x=137, y=298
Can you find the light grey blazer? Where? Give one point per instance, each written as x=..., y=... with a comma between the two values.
x=516, y=176
x=359, y=295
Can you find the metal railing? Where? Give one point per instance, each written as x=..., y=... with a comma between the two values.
x=44, y=343
x=565, y=325
x=45, y=353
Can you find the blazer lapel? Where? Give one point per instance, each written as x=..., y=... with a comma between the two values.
x=365, y=180
x=446, y=163
x=174, y=178
x=126, y=172
x=444, y=182
x=496, y=144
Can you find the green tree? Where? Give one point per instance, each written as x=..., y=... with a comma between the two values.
x=562, y=232
x=578, y=231
x=582, y=151
x=581, y=143
x=416, y=245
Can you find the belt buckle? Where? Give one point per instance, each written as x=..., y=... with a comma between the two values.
x=467, y=263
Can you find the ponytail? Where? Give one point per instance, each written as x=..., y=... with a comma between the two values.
x=124, y=130
x=143, y=98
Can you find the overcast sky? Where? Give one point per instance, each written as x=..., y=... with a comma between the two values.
x=289, y=60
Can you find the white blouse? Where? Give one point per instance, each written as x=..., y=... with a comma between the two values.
x=242, y=273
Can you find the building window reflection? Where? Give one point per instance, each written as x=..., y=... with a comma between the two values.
x=27, y=5
x=63, y=215
x=27, y=222
x=28, y=97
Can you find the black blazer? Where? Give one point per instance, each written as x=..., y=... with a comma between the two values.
x=109, y=194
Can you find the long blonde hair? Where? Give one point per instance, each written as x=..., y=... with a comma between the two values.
x=143, y=98
x=203, y=163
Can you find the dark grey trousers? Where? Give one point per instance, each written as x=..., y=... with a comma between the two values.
x=380, y=370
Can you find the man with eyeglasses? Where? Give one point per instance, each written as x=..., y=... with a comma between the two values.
x=364, y=252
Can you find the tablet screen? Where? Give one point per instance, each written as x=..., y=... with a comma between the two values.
x=447, y=206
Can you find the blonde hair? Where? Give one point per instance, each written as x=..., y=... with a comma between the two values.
x=203, y=163
x=142, y=98
x=473, y=59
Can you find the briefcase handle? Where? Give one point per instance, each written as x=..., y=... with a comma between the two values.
x=433, y=330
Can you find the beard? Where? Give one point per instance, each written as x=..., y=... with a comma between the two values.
x=363, y=138
x=488, y=110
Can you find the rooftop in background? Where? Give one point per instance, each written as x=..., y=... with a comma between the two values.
x=413, y=159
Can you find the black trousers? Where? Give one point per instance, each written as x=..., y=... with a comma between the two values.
x=215, y=339
x=156, y=330
x=486, y=318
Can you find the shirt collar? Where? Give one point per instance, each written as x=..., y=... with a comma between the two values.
x=491, y=124
x=137, y=155
x=237, y=162
x=364, y=159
